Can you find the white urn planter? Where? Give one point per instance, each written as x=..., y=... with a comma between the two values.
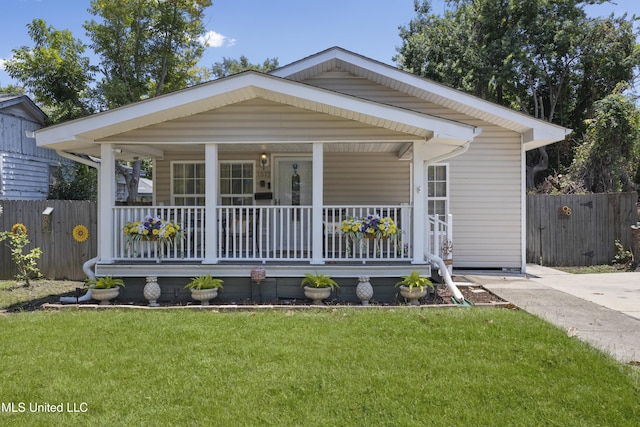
x=364, y=290
x=316, y=295
x=152, y=291
x=105, y=295
x=413, y=294
x=204, y=295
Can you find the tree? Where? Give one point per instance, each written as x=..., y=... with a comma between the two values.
x=230, y=66
x=147, y=47
x=608, y=159
x=12, y=90
x=55, y=71
x=74, y=182
x=542, y=57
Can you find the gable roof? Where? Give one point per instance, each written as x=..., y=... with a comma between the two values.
x=25, y=103
x=81, y=135
x=286, y=85
x=536, y=133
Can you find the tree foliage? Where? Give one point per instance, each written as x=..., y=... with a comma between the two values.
x=608, y=159
x=542, y=57
x=55, y=71
x=74, y=182
x=230, y=66
x=146, y=47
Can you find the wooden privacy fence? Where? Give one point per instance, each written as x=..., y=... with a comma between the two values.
x=575, y=230
x=62, y=256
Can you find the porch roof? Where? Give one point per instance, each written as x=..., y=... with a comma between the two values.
x=84, y=135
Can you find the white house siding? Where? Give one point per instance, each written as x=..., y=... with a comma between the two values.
x=365, y=178
x=487, y=211
x=259, y=120
x=350, y=178
x=24, y=167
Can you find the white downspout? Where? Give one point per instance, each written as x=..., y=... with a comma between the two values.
x=435, y=260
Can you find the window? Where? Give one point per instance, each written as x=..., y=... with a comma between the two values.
x=187, y=183
x=236, y=183
x=438, y=197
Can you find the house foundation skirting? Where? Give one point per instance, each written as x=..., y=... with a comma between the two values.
x=336, y=270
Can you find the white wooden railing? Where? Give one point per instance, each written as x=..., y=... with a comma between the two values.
x=189, y=247
x=336, y=247
x=266, y=233
x=440, y=238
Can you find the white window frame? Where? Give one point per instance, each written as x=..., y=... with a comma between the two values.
x=447, y=188
x=253, y=178
x=173, y=194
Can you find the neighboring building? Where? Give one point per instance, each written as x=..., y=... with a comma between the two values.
x=263, y=168
x=26, y=170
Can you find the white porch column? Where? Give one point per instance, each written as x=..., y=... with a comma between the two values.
x=419, y=205
x=317, y=203
x=106, y=202
x=211, y=201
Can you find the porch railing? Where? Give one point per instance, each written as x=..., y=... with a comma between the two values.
x=266, y=233
x=439, y=241
x=189, y=247
x=337, y=247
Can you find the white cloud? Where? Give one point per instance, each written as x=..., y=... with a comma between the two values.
x=213, y=39
x=2, y=61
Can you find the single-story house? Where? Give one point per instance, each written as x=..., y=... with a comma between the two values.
x=26, y=171
x=266, y=170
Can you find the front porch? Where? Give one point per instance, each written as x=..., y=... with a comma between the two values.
x=280, y=238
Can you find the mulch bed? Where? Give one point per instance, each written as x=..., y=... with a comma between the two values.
x=475, y=294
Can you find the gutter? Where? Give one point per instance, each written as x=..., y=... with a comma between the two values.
x=455, y=152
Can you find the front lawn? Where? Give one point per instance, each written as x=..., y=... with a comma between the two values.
x=342, y=367
x=16, y=296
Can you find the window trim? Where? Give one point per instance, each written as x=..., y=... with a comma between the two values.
x=172, y=188
x=446, y=199
x=253, y=178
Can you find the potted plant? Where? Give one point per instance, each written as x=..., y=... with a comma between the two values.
x=204, y=288
x=105, y=288
x=413, y=287
x=318, y=287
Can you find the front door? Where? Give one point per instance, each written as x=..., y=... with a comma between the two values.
x=292, y=188
x=293, y=180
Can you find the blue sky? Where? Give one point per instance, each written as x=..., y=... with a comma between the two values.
x=285, y=29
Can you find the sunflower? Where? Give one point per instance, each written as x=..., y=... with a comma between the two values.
x=80, y=233
x=19, y=226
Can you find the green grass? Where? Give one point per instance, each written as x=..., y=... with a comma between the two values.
x=342, y=367
x=13, y=293
x=591, y=269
